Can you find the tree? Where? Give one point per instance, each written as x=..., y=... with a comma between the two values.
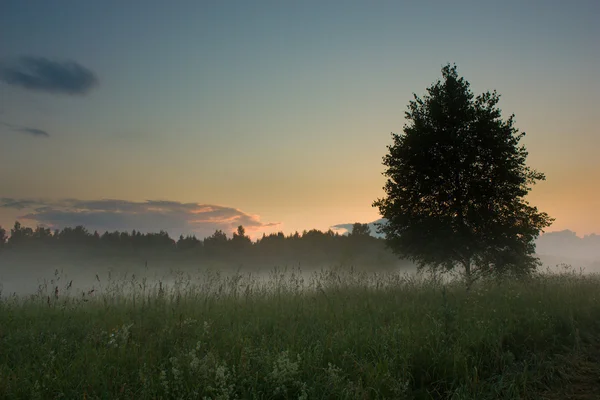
x=456, y=187
x=3, y=237
x=43, y=235
x=20, y=235
x=216, y=243
x=359, y=229
x=239, y=240
x=188, y=242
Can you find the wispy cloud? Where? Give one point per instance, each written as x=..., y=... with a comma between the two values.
x=44, y=75
x=34, y=131
x=27, y=130
x=148, y=216
x=17, y=204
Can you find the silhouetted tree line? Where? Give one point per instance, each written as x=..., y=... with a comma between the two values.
x=310, y=247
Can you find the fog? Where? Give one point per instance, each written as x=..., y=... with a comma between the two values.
x=24, y=274
x=44, y=273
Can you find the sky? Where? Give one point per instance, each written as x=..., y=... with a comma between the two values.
x=192, y=116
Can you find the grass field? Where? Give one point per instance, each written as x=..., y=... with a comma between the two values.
x=331, y=335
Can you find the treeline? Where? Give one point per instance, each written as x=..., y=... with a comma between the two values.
x=313, y=247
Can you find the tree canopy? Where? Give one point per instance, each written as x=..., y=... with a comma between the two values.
x=456, y=184
x=359, y=229
x=312, y=248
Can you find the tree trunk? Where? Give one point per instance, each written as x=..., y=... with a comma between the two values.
x=468, y=275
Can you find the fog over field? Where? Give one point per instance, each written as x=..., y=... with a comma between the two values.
x=26, y=272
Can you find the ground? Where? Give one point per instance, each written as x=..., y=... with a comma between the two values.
x=580, y=379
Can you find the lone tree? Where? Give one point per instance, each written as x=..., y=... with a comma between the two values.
x=456, y=185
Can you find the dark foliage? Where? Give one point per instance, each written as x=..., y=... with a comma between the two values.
x=457, y=182
x=311, y=248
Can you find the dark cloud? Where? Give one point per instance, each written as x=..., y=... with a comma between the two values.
x=27, y=130
x=17, y=204
x=44, y=75
x=33, y=131
x=149, y=216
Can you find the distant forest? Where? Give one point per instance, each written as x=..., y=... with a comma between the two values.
x=358, y=248
x=314, y=247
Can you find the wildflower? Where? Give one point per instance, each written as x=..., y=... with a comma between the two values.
x=334, y=374
x=175, y=369
x=194, y=362
x=224, y=383
x=119, y=336
x=285, y=372
x=163, y=380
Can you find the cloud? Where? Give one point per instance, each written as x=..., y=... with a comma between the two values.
x=23, y=129
x=34, y=132
x=149, y=216
x=559, y=244
x=7, y=202
x=44, y=75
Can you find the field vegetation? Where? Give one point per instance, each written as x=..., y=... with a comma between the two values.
x=331, y=334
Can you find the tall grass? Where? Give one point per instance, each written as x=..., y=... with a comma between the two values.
x=328, y=335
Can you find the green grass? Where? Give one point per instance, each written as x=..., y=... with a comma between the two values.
x=331, y=336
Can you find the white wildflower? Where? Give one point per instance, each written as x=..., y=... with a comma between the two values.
x=334, y=374
x=164, y=381
x=119, y=336
x=224, y=379
x=284, y=373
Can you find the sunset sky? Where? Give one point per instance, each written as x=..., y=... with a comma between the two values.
x=192, y=116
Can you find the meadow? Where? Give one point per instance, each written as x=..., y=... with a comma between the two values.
x=330, y=334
